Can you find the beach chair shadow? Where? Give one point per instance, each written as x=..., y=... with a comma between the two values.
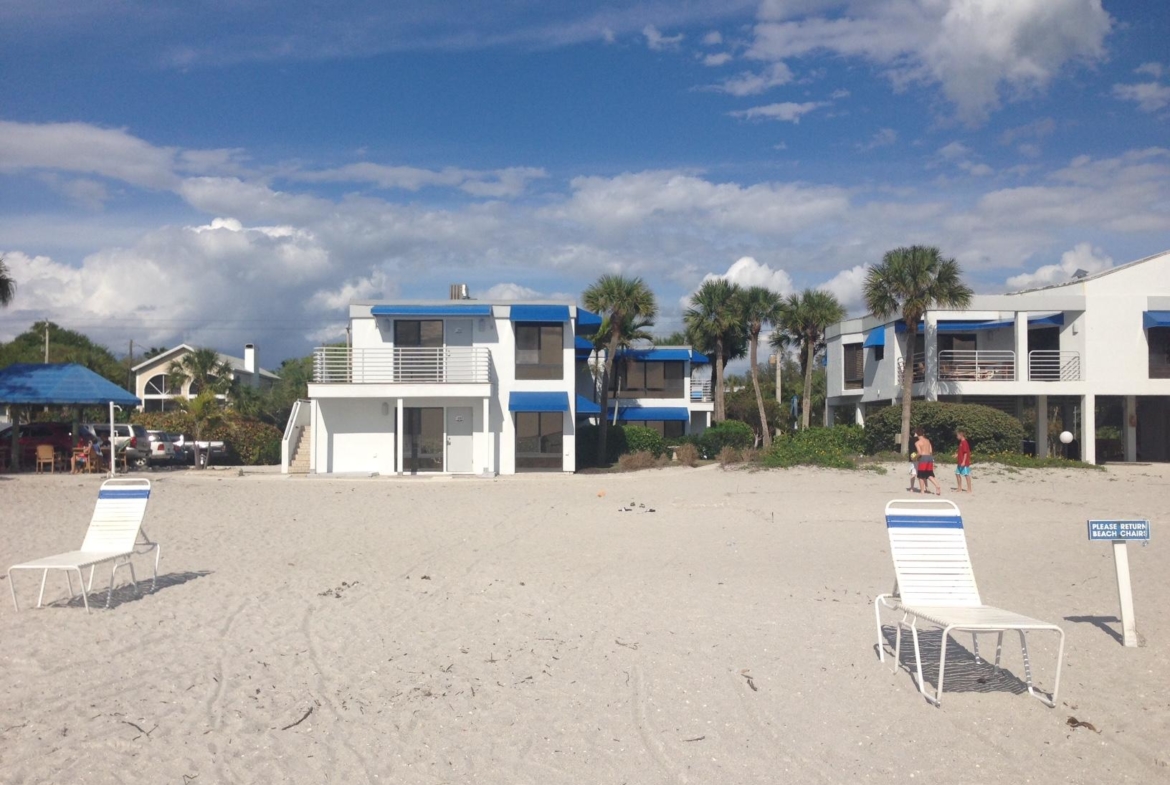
x=964, y=672
x=127, y=593
x=1101, y=622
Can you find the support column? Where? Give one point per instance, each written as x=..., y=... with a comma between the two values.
x=1041, y=426
x=1021, y=337
x=930, y=355
x=489, y=467
x=1128, y=430
x=1089, y=428
x=399, y=437
x=858, y=415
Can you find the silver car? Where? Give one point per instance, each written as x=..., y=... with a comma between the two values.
x=162, y=449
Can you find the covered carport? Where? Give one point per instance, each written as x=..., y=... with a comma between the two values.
x=31, y=385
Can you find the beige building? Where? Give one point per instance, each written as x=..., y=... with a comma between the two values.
x=154, y=388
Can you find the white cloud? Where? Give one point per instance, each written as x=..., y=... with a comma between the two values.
x=883, y=138
x=954, y=150
x=786, y=112
x=713, y=38
x=746, y=271
x=750, y=83
x=1083, y=256
x=716, y=60
x=848, y=286
x=510, y=291
x=975, y=50
x=82, y=191
x=497, y=183
x=1149, y=96
x=1037, y=129
x=87, y=149
x=659, y=42
x=1153, y=69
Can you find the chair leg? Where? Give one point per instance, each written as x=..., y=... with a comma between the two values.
x=918, y=661
x=84, y=595
x=1027, y=662
x=69, y=579
x=975, y=645
x=154, y=580
x=12, y=588
x=942, y=665
x=877, y=615
x=998, y=648
x=133, y=578
x=898, y=644
x=110, y=593
x=92, y=567
x=41, y=596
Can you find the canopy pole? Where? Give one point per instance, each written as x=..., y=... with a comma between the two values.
x=113, y=456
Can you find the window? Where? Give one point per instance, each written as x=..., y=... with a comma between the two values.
x=157, y=385
x=958, y=342
x=854, y=366
x=540, y=351
x=879, y=353
x=418, y=333
x=539, y=439
x=1159, y=338
x=668, y=429
x=653, y=379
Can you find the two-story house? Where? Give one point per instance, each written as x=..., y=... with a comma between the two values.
x=659, y=388
x=1096, y=349
x=152, y=383
x=445, y=387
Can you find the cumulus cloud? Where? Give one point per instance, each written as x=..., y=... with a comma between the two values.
x=511, y=291
x=716, y=60
x=746, y=271
x=883, y=138
x=659, y=42
x=848, y=286
x=1083, y=256
x=497, y=183
x=752, y=83
x=976, y=51
x=786, y=111
x=713, y=38
x=1152, y=69
x=1149, y=96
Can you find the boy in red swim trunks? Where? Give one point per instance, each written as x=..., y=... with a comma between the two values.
x=963, y=461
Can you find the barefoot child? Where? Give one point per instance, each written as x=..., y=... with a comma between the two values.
x=925, y=463
x=963, y=462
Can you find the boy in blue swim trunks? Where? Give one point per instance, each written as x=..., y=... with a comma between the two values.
x=963, y=462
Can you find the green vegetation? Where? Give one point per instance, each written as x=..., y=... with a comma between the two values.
x=805, y=317
x=988, y=430
x=65, y=346
x=835, y=448
x=729, y=433
x=642, y=439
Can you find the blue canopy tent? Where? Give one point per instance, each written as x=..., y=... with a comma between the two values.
x=65, y=384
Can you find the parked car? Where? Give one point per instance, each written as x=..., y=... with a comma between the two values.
x=162, y=448
x=127, y=436
x=185, y=446
x=33, y=434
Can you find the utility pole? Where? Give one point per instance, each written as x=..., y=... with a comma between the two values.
x=46, y=341
x=129, y=365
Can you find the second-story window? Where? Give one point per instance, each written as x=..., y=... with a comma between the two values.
x=418, y=333
x=854, y=366
x=540, y=351
x=653, y=379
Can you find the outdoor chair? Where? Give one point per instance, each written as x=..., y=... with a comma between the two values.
x=935, y=583
x=115, y=534
x=46, y=456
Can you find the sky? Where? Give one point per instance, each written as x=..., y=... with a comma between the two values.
x=221, y=173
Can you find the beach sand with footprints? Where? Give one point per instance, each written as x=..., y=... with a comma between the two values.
x=666, y=626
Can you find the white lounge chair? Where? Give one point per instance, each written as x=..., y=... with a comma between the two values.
x=935, y=583
x=115, y=534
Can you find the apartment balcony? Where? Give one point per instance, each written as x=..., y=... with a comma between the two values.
x=969, y=365
x=1054, y=366
x=701, y=392
x=447, y=365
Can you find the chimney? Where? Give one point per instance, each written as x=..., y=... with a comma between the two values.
x=250, y=364
x=459, y=292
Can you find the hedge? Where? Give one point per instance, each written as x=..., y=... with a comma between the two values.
x=248, y=442
x=988, y=430
x=639, y=438
x=729, y=433
x=836, y=447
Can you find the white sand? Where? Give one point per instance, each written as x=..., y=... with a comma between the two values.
x=523, y=630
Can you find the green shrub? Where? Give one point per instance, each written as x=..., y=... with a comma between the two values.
x=249, y=442
x=988, y=430
x=836, y=448
x=639, y=438
x=729, y=433
x=586, y=440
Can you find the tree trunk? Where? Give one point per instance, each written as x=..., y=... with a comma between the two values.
x=908, y=382
x=603, y=430
x=806, y=404
x=764, y=428
x=719, y=414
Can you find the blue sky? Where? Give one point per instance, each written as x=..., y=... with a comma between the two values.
x=223, y=173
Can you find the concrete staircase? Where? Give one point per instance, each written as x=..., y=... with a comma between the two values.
x=303, y=447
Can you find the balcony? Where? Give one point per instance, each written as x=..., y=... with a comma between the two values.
x=701, y=392
x=919, y=368
x=402, y=365
x=968, y=365
x=1054, y=366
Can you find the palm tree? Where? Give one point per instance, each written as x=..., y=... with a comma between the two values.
x=714, y=316
x=626, y=306
x=203, y=370
x=760, y=306
x=206, y=413
x=805, y=317
x=911, y=281
x=7, y=285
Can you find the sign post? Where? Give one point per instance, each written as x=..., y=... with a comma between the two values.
x=1120, y=533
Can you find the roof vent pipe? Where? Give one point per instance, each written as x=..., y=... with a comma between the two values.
x=459, y=292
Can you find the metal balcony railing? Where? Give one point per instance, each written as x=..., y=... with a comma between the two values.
x=402, y=365
x=1050, y=365
x=701, y=392
x=919, y=368
x=967, y=365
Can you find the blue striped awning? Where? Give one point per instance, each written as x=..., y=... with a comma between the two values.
x=431, y=310
x=1040, y=321
x=557, y=401
x=583, y=347
x=586, y=407
x=587, y=322
x=676, y=353
x=1155, y=319
x=653, y=414
x=876, y=337
x=699, y=359
x=540, y=313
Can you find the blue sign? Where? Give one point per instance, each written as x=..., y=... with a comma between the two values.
x=1119, y=530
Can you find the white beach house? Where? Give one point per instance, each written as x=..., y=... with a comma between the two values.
x=664, y=388
x=453, y=386
x=1095, y=349
x=153, y=387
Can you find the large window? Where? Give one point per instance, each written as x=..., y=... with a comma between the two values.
x=540, y=351
x=1159, y=338
x=417, y=333
x=422, y=439
x=653, y=379
x=854, y=366
x=669, y=429
x=539, y=439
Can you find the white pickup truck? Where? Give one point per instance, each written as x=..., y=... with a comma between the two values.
x=185, y=446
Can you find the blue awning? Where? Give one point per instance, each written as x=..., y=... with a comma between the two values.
x=653, y=414
x=431, y=310
x=557, y=401
x=699, y=359
x=583, y=347
x=587, y=322
x=876, y=337
x=648, y=355
x=1155, y=319
x=59, y=384
x=1040, y=321
x=959, y=325
x=540, y=313
x=586, y=407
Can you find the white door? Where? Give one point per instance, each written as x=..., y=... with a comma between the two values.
x=459, y=440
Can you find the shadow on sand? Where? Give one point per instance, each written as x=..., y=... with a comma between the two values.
x=126, y=593
x=964, y=674
x=1101, y=622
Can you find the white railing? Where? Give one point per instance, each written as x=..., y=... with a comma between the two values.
x=1051, y=365
x=919, y=368
x=298, y=418
x=701, y=392
x=402, y=365
x=968, y=365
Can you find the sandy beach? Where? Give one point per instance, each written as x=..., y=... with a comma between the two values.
x=669, y=626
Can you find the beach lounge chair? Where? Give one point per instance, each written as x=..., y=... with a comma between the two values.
x=115, y=534
x=935, y=583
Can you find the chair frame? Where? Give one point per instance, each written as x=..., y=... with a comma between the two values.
x=76, y=561
x=955, y=605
